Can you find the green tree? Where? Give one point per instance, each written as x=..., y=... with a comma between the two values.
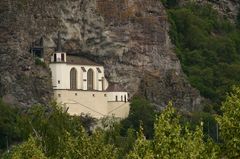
x=62, y=136
x=143, y=111
x=173, y=140
x=84, y=146
x=10, y=127
x=26, y=150
x=142, y=148
x=229, y=124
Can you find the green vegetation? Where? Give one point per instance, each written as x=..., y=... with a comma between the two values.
x=238, y=19
x=229, y=124
x=170, y=3
x=141, y=111
x=27, y=150
x=39, y=62
x=10, y=127
x=50, y=132
x=208, y=47
x=173, y=140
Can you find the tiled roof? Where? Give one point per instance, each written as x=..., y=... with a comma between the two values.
x=80, y=61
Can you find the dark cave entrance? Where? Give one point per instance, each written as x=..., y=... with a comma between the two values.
x=37, y=49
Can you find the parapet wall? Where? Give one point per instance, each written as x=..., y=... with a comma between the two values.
x=91, y=102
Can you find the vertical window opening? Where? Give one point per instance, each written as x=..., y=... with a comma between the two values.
x=90, y=79
x=73, y=78
x=55, y=58
x=62, y=57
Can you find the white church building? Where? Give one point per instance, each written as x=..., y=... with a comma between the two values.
x=81, y=86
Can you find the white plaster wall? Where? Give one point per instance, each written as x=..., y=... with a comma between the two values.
x=59, y=74
x=105, y=83
x=118, y=109
x=96, y=103
x=83, y=102
x=112, y=96
x=61, y=71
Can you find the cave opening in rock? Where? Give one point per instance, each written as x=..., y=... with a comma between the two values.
x=37, y=49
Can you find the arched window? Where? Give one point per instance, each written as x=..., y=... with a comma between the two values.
x=73, y=78
x=90, y=79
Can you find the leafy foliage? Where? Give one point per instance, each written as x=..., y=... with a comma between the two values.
x=39, y=62
x=142, y=148
x=170, y=3
x=141, y=111
x=27, y=150
x=230, y=125
x=56, y=134
x=10, y=127
x=208, y=48
x=173, y=140
x=59, y=135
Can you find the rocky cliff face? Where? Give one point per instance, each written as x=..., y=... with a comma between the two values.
x=129, y=37
x=22, y=82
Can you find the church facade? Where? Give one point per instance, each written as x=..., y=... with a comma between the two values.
x=81, y=86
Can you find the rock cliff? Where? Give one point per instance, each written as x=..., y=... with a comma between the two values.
x=129, y=37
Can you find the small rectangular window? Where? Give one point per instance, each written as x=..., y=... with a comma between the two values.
x=93, y=95
x=55, y=58
x=58, y=81
x=75, y=94
x=116, y=98
x=105, y=95
x=59, y=95
x=62, y=57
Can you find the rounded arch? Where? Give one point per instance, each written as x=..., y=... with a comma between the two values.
x=73, y=78
x=90, y=79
